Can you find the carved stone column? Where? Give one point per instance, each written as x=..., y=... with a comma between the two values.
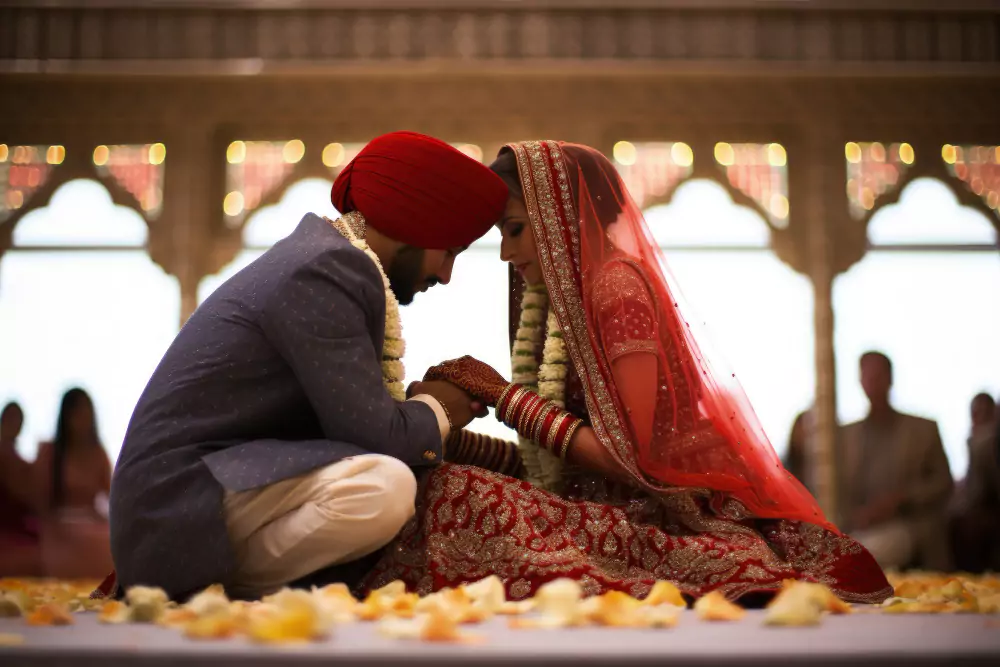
x=824, y=178
x=181, y=241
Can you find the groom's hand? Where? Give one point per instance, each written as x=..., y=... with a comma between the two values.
x=460, y=406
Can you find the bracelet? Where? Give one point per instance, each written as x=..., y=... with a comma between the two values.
x=447, y=415
x=570, y=432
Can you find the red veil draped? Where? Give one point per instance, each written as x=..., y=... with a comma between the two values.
x=613, y=294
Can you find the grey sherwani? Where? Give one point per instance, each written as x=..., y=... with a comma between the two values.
x=276, y=374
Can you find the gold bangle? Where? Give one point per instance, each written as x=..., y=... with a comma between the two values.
x=504, y=393
x=514, y=399
x=564, y=448
x=536, y=432
x=550, y=437
x=524, y=421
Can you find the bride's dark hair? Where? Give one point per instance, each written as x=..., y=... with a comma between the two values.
x=505, y=166
x=594, y=169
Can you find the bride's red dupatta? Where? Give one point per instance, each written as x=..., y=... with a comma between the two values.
x=688, y=426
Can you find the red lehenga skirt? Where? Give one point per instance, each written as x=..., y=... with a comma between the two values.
x=472, y=523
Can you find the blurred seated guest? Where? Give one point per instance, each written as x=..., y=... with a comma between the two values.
x=74, y=476
x=976, y=510
x=20, y=550
x=798, y=458
x=894, y=482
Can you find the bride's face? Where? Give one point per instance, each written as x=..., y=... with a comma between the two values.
x=518, y=244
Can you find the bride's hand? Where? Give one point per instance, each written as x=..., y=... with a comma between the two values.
x=473, y=376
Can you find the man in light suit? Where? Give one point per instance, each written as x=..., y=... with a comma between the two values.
x=894, y=482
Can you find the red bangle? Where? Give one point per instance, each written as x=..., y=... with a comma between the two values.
x=531, y=412
x=544, y=423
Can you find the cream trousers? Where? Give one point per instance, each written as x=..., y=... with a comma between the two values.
x=332, y=515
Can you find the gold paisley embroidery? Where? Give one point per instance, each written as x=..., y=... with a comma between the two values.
x=605, y=547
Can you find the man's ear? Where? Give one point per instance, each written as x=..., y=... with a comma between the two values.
x=413, y=389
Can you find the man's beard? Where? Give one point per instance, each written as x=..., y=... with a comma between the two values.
x=404, y=274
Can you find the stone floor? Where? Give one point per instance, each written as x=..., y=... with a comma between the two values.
x=862, y=638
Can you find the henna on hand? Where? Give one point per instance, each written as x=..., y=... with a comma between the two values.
x=475, y=377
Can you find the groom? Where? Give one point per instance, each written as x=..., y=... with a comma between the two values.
x=267, y=446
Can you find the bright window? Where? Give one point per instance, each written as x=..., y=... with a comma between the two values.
x=100, y=318
x=933, y=310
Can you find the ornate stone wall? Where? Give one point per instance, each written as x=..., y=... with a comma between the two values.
x=811, y=76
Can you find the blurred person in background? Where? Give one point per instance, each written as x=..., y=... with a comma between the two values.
x=976, y=510
x=894, y=481
x=798, y=458
x=73, y=477
x=20, y=550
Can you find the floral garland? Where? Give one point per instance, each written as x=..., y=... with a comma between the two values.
x=543, y=468
x=352, y=227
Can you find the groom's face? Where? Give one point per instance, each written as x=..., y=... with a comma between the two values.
x=417, y=270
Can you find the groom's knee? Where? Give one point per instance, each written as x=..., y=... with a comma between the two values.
x=378, y=493
x=395, y=504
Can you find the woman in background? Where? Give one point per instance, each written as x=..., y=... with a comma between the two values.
x=20, y=551
x=74, y=477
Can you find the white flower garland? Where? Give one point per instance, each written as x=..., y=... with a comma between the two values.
x=351, y=227
x=543, y=468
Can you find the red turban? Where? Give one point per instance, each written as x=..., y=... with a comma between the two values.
x=420, y=191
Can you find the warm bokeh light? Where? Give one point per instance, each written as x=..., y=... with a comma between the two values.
x=55, y=155
x=101, y=155
x=333, y=155
x=293, y=151
x=233, y=204
x=149, y=201
x=776, y=155
x=236, y=153
x=157, y=153
x=724, y=154
x=3, y=152
x=852, y=151
x=877, y=152
x=779, y=206
x=867, y=199
x=15, y=199
x=906, y=155
x=625, y=153
x=681, y=154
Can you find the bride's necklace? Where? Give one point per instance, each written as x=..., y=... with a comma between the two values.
x=352, y=227
x=549, y=379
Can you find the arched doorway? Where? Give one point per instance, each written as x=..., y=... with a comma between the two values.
x=927, y=293
x=82, y=304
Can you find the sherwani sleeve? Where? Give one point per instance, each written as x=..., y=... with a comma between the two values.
x=322, y=318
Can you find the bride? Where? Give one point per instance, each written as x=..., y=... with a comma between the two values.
x=638, y=459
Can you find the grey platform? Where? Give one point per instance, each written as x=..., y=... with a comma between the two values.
x=868, y=639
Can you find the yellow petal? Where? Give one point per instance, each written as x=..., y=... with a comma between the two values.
x=664, y=592
x=113, y=611
x=715, y=607
x=50, y=614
